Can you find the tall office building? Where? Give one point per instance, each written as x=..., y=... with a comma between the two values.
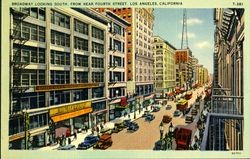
x=117, y=64
x=183, y=57
x=59, y=73
x=140, y=61
x=164, y=70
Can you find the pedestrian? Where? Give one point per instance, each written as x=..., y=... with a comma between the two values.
x=93, y=130
x=101, y=126
x=75, y=134
x=60, y=141
x=129, y=116
x=63, y=140
x=97, y=130
x=69, y=141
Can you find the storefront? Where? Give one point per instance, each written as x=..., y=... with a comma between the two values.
x=70, y=117
x=99, y=114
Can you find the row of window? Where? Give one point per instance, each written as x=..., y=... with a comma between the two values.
x=35, y=121
x=37, y=100
x=38, y=13
x=28, y=31
x=28, y=54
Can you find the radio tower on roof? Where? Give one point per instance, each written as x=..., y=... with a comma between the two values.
x=184, y=30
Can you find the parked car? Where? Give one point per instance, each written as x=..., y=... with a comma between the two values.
x=160, y=145
x=166, y=118
x=194, y=112
x=104, y=142
x=119, y=126
x=127, y=122
x=177, y=113
x=168, y=107
x=133, y=127
x=189, y=119
x=67, y=147
x=145, y=113
x=105, y=130
x=149, y=117
x=88, y=142
x=156, y=109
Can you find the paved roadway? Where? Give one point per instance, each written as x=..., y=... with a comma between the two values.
x=148, y=133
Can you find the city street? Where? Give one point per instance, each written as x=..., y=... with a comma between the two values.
x=149, y=132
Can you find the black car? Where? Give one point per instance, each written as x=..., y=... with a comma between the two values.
x=127, y=122
x=156, y=109
x=149, y=117
x=88, y=142
x=160, y=145
x=133, y=127
x=145, y=113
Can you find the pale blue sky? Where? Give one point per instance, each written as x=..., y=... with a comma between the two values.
x=200, y=28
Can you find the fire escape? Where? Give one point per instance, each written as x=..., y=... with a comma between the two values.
x=17, y=64
x=224, y=123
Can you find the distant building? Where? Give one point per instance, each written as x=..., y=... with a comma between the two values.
x=164, y=70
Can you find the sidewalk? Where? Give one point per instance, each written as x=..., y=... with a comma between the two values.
x=82, y=135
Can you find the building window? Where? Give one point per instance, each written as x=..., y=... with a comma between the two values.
x=16, y=126
x=117, y=76
x=97, y=92
x=29, y=54
x=60, y=39
x=38, y=13
x=59, y=97
x=97, y=76
x=117, y=29
x=80, y=94
x=37, y=121
x=97, y=62
x=81, y=77
x=97, y=48
x=59, y=77
x=97, y=33
x=81, y=44
x=98, y=106
x=60, y=19
x=117, y=45
x=80, y=27
x=28, y=100
x=30, y=77
x=60, y=58
x=81, y=60
x=117, y=61
x=29, y=31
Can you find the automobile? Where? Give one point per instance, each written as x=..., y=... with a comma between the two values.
x=133, y=127
x=189, y=119
x=104, y=142
x=105, y=130
x=177, y=113
x=127, y=122
x=67, y=147
x=166, y=119
x=88, y=142
x=118, y=126
x=150, y=117
x=156, y=109
x=160, y=145
x=168, y=107
x=146, y=112
x=194, y=112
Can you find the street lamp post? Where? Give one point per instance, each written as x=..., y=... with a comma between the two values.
x=161, y=130
x=171, y=133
